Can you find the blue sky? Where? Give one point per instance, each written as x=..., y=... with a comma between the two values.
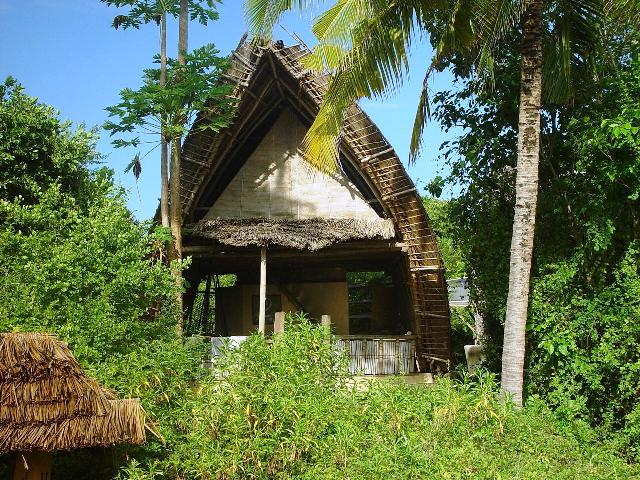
x=66, y=53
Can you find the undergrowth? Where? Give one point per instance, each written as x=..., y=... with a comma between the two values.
x=288, y=410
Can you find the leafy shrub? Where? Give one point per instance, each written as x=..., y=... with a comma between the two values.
x=289, y=410
x=584, y=359
x=37, y=149
x=73, y=262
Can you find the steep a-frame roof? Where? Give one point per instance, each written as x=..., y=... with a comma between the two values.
x=268, y=79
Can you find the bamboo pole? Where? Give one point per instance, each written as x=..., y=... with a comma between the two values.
x=263, y=289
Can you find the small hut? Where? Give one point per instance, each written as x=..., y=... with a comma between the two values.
x=48, y=403
x=295, y=238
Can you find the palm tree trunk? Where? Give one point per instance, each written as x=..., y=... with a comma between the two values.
x=164, y=144
x=524, y=218
x=176, y=143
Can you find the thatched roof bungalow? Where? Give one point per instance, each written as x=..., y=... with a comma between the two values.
x=250, y=198
x=48, y=403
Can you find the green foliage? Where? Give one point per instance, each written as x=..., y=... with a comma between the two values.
x=448, y=245
x=74, y=263
x=192, y=89
x=584, y=356
x=147, y=11
x=80, y=271
x=288, y=410
x=73, y=260
x=580, y=347
x=36, y=149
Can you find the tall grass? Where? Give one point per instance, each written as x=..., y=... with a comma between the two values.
x=287, y=410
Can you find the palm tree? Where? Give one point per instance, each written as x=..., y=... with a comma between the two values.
x=524, y=218
x=365, y=45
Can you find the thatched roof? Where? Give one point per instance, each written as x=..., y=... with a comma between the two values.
x=304, y=234
x=48, y=403
x=269, y=78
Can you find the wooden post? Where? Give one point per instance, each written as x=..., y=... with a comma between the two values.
x=278, y=324
x=206, y=304
x=325, y=320
x=33, y=466
x=263, y=289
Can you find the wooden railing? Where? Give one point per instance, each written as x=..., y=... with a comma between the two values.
x=379, y=354
x=367, y=354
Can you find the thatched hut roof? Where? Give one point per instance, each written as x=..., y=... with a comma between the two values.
x=304, y=234
x=269, y=78
x=48, y=403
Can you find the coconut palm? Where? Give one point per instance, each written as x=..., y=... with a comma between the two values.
x=365, y=45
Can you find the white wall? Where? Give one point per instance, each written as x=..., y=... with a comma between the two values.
x=276, y=182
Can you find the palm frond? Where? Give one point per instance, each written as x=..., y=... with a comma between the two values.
x=623, y=11
x=574, y=38
x=423, y=112
x=375, y=65
x=337, y=24
x=262, y=15
x=324, y=57
x=492, y=19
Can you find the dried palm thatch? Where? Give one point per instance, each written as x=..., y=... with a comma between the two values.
x=48, y=403
x=305, y=234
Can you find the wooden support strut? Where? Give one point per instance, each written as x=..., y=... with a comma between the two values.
x=263, y=289
x=368, y=158
x=398, y=194
x=278, y=323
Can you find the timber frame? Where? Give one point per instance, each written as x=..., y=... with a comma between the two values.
x=268, y=78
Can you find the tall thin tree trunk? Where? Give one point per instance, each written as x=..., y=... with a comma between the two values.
x=176, y=143
x=164, y=144
x=524, y=218
x=176, y=228
x=183, y=31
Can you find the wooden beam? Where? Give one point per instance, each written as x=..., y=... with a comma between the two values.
x=263, y=289
x=361, y=247
x=275, y=74
x=368, y=158
x=278, y=323
x=291, y=297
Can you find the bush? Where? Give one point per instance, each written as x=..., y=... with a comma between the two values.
x=74, y=263
x=288, y=410
x=584, y=358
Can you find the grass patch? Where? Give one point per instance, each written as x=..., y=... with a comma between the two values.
x=284, y=410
